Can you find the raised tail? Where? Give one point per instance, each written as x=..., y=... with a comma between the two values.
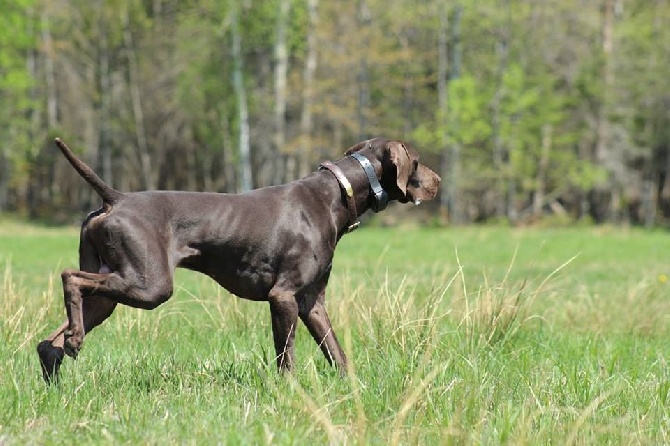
x=108, y=194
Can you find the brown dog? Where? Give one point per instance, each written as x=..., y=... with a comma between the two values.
x=272, y=244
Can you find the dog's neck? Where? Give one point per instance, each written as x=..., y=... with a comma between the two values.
x=357, y=180
x=347, y=191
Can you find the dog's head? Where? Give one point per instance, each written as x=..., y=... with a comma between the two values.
x=402, y=176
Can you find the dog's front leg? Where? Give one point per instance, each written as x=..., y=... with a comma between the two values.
x=284, y=313
x=315, y=317
x=318, y=323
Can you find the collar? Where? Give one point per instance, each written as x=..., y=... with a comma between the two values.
x=380, y=195
x=345, y=185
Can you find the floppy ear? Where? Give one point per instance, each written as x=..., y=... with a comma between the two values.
x=399, y=159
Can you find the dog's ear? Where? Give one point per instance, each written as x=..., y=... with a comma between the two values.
x=401, y=163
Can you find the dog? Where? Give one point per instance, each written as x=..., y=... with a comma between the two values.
x=273, y=244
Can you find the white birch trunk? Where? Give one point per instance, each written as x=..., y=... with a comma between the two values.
x=136, y=98
x=281, y=69
x=306, y=123
x=244, y=177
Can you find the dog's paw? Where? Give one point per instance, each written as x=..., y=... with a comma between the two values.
x=71, y=348
x=50, y=360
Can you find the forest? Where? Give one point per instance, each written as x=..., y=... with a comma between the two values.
x=529, y=109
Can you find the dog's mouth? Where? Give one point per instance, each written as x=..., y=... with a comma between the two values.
x=410, y=198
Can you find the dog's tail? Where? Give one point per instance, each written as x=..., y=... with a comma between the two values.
x=108, y=194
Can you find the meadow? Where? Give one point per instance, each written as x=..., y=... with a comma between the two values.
x=476, y=335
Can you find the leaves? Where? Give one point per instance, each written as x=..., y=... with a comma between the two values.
x=513, y=70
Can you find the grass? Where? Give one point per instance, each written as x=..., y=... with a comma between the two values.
x=455, y=336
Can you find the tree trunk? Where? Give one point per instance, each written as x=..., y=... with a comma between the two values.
x=31, y=65
x=228, y=161
x=408, y=101
x=136, y=97
x=49, y=72
x=308, y=91
x=363, y=78
x=191, y=174
x=4, y=178
x=649, y=200
x=104, y=113
x=500, y=157
x=52, y=105
x=538, y=198
x=281, y=68
x=455, y=149
x=603, y=153
x=244, y=176
x=443, y=101
x=651, y=173
x=602, y=134
x=653, y=185
x=512, y=212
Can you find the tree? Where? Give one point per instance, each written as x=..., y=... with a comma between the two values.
x=136, y=99
x=309, y=71
x=241, y=93
x=281, y=71
x=17, y=38
x=530, y=107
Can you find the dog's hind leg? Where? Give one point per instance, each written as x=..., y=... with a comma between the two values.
x=51, y=350
x=51, y=353
x=95, y=311
x=145, y=289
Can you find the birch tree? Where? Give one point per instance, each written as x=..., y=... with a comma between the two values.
x=306, y=118
x=281, y=69
x=244, y=167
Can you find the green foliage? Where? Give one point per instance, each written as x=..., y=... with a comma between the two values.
x=468, y=121
x=17, y=39
x=524, y=69
x=644, y=78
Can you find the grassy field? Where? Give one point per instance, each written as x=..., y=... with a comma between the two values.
x=455, y=336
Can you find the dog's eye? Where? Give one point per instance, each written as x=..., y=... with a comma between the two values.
x=415, y=164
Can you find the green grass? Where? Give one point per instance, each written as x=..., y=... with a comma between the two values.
x=455, y=336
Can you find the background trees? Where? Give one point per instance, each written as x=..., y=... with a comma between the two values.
x=527, y=107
